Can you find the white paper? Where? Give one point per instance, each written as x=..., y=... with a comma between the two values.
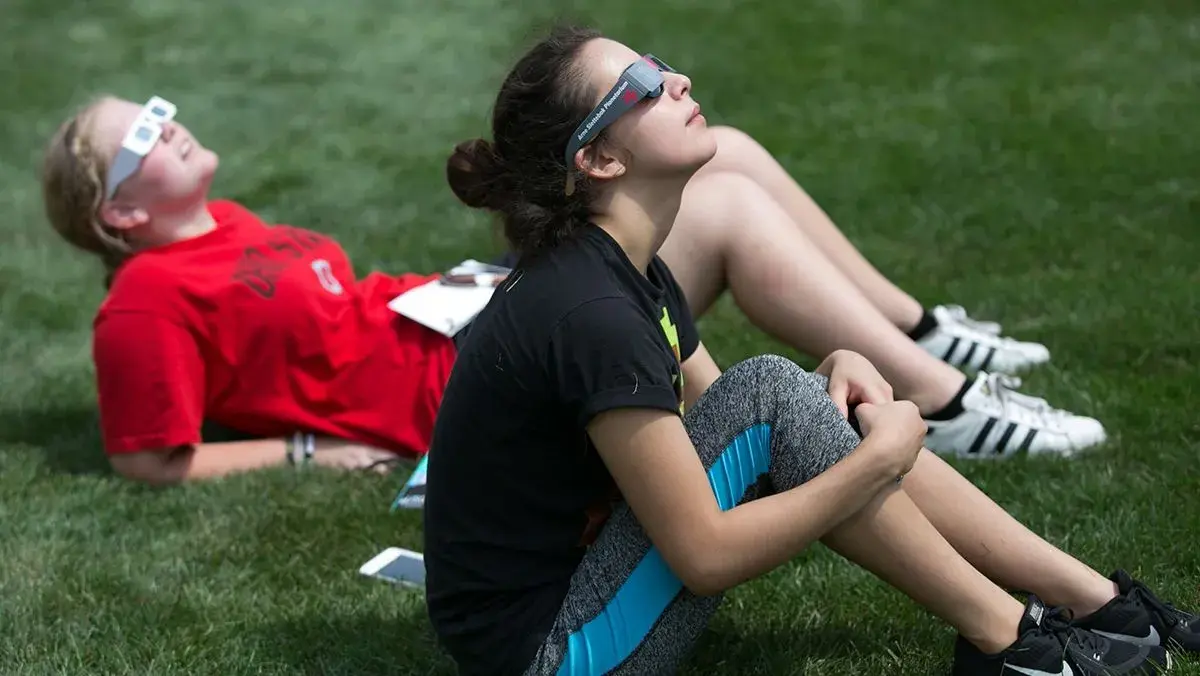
x=448, y=308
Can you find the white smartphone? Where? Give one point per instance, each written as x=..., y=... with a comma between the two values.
x=398, y=566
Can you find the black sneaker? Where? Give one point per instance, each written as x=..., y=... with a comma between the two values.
x=1138, y=616
x=1047, y=645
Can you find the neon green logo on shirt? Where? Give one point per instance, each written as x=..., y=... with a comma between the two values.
x=672, y=334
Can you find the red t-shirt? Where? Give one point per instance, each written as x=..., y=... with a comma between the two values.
x=263, y=329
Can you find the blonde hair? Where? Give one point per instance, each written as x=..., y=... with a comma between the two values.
x=73, y=181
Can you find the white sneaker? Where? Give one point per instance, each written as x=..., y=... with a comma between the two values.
x=958, y=313
x=999, y=422
x=971, y=346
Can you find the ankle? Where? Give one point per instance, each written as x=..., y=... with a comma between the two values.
x=993, y=640
x=917, y=323
x=1082, y=595
x=1094, y=597
x=996, y=631
x=943, y=399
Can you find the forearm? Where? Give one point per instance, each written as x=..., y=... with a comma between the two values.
x=211, y=460
x=759, y=536
x=204, y=460
x=207, y=461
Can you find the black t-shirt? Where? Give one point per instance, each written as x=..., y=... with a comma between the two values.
x=516, y=491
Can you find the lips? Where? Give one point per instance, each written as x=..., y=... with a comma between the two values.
x=695, y=114
x=185, y=149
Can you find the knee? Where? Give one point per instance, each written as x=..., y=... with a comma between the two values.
x=719, y=210
x=722, y=196
x=809, y=434
x=786, y=381
x=768, y=368
x=772, y=370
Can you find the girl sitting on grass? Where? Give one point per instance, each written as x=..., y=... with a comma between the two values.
x=596, y=482
x=213, y=315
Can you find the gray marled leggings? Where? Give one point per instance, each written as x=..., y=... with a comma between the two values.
x=765, y=425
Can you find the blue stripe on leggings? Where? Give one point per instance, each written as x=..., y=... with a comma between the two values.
x=611, y=637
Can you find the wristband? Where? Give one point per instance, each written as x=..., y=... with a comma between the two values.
x=292, y=445
x=300, y=447
x=310, y=447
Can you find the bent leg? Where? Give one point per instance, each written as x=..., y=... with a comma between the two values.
x=890, y=536
x=730, y=230
x=1000, y=546
x=765, y=425
x=738, y=151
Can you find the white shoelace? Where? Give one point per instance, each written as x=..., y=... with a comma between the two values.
x=1023, y=407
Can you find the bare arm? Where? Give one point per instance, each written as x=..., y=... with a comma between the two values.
x=201, y=461
x=659, y=473
x=699, y=373
x=210, y=460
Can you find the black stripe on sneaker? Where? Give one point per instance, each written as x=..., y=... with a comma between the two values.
x=988, y=359
x=966, y=361
x=953, y=347
x=982, y=436
x=1012, y=427
x=1028, y=440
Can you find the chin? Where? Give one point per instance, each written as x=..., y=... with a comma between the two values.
x=702, y=145
x=704, y=152
x=211, y=161
x=207, y=169
x=203, y=182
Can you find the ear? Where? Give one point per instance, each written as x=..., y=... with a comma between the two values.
x=597, y=161
x=121, y=216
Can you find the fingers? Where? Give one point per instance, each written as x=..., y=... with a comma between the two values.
x=382, y=467
x=380, y=462
x=878, y=392
x=359, y=458
x=866, y=412
x=839, y=392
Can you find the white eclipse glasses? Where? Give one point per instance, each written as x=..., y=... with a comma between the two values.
x=139, y=141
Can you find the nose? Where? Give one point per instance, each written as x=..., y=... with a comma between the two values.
x=168, y=131
x=678, y=84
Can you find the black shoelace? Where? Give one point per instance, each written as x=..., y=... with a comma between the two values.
x=1167, y=614
x=1058, y=623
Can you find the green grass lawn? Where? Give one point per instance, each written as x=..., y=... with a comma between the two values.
x=1037, y=164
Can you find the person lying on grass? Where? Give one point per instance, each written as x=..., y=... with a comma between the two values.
x=595, y=482
x=212, y=315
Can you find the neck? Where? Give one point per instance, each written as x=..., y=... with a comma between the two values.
x=177, y=226
x=640, y=217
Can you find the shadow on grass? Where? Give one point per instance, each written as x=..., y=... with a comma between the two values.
x=367, y=644
x=726, y=649
x=406, y=645
x=69, y=437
